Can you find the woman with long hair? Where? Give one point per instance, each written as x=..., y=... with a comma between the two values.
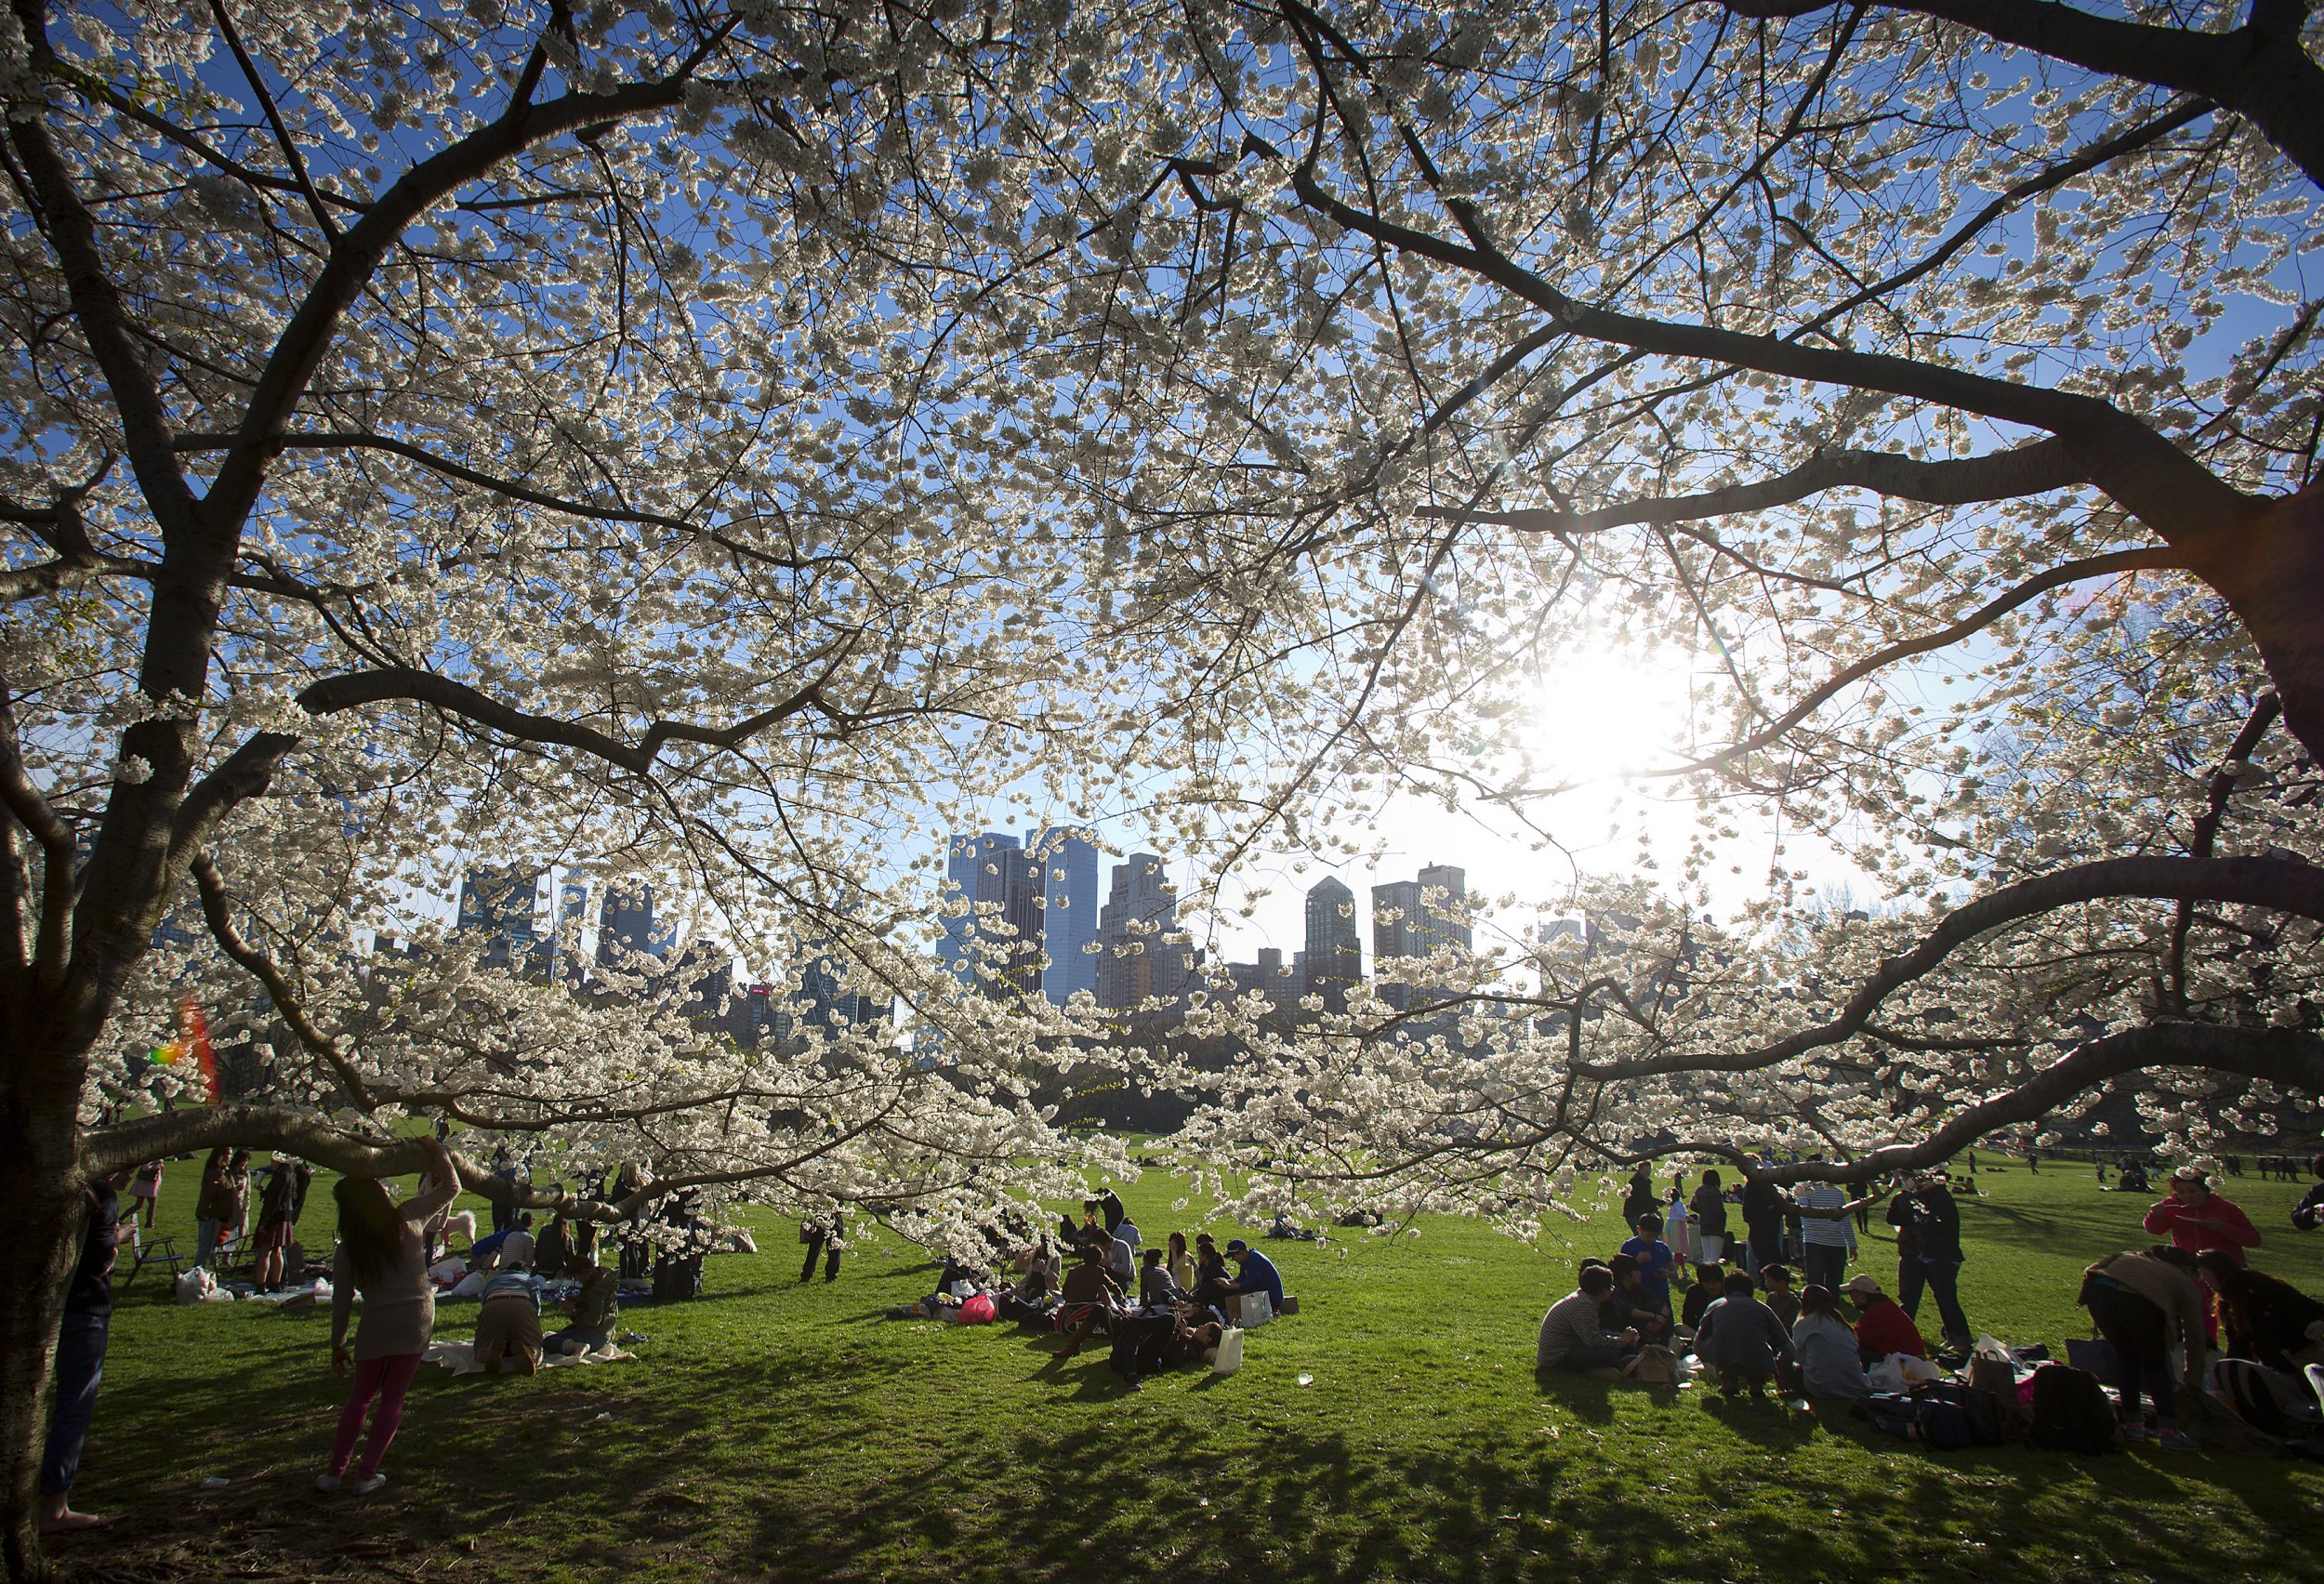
x=1180, y=1262
x=383, y=1253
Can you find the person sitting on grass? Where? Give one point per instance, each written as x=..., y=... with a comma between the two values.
x=1259, y=1272
x=1630, y=1306
x=1829, y=1362
x=1882, y=1327
x=594, y=1310
x=1214, y=1284
x=1740, y=1338
x=2306, y=1215
x=1656, y=1260
x=1090, y=1295
x=1708, y=1289
x=1778, y=1296
x=1571, y=1339
x=509, y=1324
x=1153, y=1281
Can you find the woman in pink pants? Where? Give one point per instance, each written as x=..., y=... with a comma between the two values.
x=383, y=1250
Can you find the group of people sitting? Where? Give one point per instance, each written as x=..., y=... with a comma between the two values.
x=1160, y=1305
x=509, y=1272
x=1744, y=1332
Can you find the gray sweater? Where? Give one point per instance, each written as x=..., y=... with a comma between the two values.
x=1571, y=1323
x=399, y=1308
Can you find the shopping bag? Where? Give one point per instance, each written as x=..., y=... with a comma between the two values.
x=1254, y=1310
x=1230, y=1357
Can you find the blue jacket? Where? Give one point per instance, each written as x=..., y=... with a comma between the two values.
x=1260, y=1275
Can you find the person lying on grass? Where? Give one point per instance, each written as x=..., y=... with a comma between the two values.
x=1572, y=1339
x=1741, y=1340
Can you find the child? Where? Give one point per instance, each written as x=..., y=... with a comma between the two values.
x=1674, y=1223
x=1742, y=1340
x=1656, y=1260
x=1780, y=1297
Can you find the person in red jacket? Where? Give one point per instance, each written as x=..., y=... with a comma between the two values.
x=1882, y=1328
x=2200, y=1220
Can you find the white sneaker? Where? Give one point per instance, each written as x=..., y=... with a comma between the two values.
x=367, y=1483
x=327, y=1482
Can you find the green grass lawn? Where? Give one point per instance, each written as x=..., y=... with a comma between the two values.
x=775, y=1429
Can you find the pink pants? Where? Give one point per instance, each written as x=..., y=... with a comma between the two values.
x=387, y=1378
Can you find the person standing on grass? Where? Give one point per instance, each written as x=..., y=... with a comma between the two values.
x=826, y=1232
x=1640, y=1199
x=1710, y=1207
x=80, y=1367
x=1675, y=1228
x=1827, y=1239
x=2200, y=1220
x=2145, y=1305
x=279, y=1206
x=1928, y=1254
x=382, y=1253
x=211, y=1204
x=1762, y=1225
x=1656, y=1260
x=146, y=1192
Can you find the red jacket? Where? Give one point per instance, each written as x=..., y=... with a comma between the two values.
x=1886, y=1328
x=2238, y=1233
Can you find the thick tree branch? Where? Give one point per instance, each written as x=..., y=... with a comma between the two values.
x=2205, y=836
x=2288, y=1058
x=2259, y=70
x=2036, y=469
x=218, y=912
x=2280, y=885
x=51, y=933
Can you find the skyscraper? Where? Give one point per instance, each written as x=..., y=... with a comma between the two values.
x=1068, y=860
x=1333, y=962
x=625, y=924
x=1135, y=962
x=496, y=900
x=1405, y=923
x=997, y=942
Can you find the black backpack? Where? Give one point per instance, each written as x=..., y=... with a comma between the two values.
x=2072, y=1412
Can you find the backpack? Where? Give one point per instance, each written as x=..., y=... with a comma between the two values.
x=2072, y=1412
x=1981, y=1415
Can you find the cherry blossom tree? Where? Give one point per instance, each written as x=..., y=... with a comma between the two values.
x=1944, y=375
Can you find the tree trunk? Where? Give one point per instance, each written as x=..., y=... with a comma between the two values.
x=42, y=1185
x=2270, y=570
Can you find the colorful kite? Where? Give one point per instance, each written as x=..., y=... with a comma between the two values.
x=193, y=1044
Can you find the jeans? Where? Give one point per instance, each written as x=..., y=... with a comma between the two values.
x=2140, y=1341
x=1941, y=1278
x=205, y=1240
x=1826, y=1265
x=387, y=1378
x=80, y=1368
x=815, y=1251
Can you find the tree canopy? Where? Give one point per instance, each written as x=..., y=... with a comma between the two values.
x=731, y=444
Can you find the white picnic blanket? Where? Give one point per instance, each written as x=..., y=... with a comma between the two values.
x=458, y=1355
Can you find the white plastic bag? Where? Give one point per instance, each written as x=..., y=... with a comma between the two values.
x=194, y=1285
x=1230, y=1357
x=1254, y=1310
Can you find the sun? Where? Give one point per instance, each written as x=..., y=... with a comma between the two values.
x=1610, y=708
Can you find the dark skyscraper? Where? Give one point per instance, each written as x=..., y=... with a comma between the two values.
x=1068, y=860
x=496, y=900
x=1406, y=924
x=1333, y=963
x=1007, y=890
x=625, y=924
x=1137, y=962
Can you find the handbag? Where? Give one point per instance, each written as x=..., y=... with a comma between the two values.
x=1230, y=1357
x=1653, y=1365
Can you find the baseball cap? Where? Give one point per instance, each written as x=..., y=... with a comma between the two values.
x=1236, y=1245
x=1862, y=1286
